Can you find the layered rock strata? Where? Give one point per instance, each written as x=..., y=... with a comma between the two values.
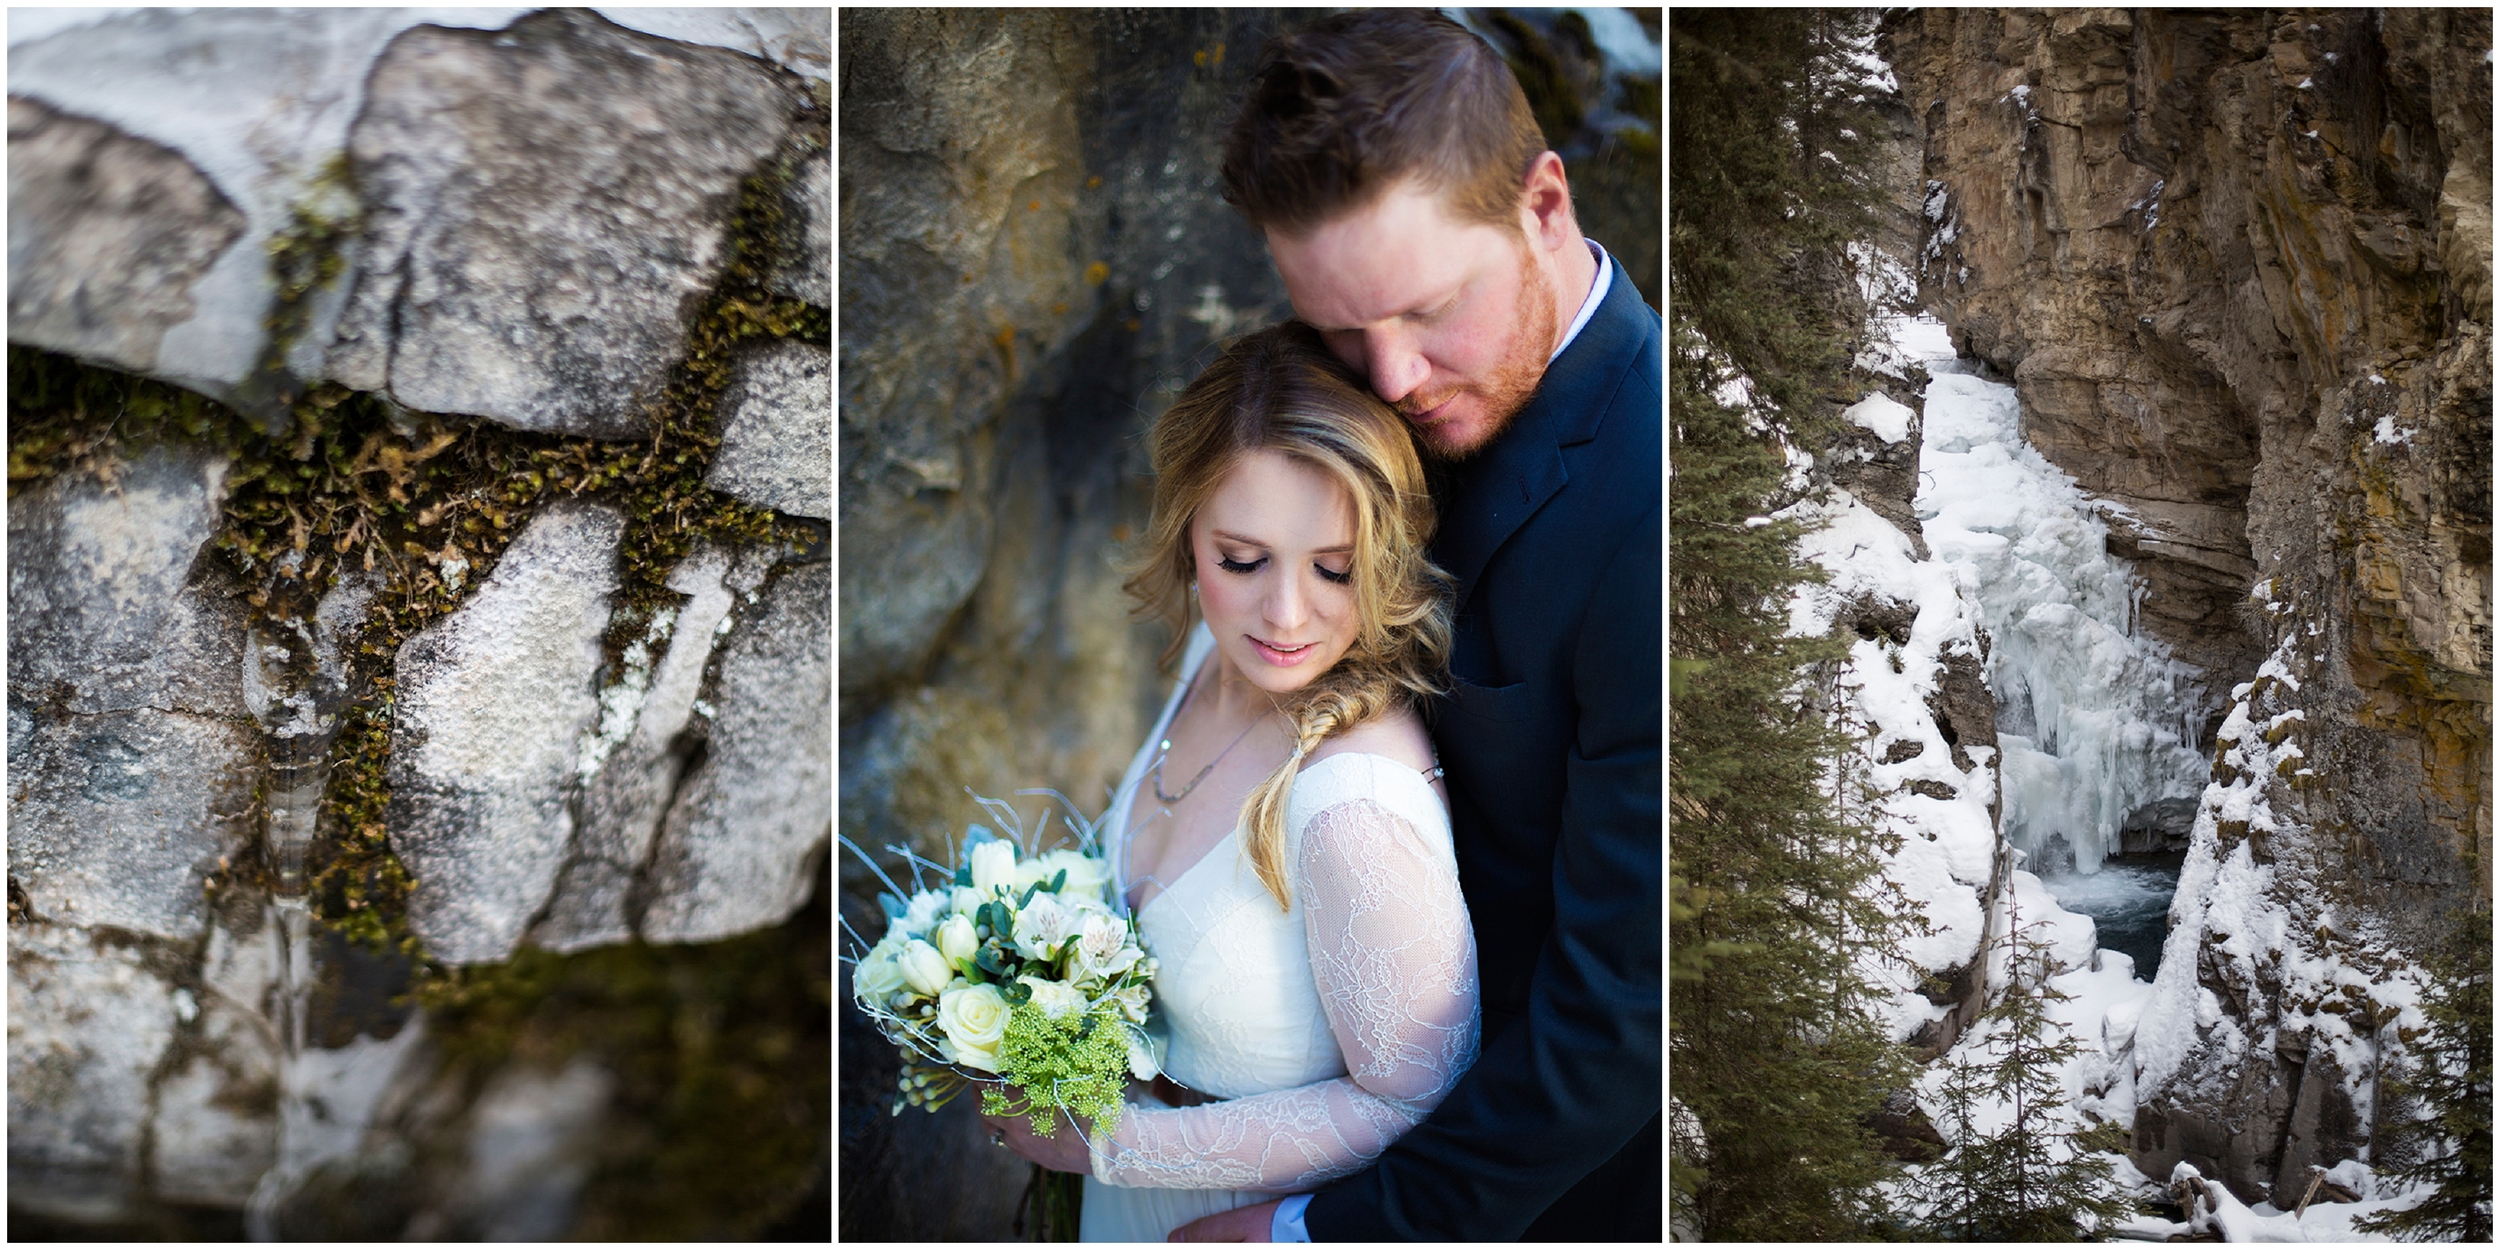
x=2238, y=267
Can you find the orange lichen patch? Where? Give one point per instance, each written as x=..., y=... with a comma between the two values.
x=1095, y=273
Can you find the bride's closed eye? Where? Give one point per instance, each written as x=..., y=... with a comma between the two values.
x=1231, y=565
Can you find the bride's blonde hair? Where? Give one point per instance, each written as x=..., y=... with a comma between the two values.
x=1279, y=389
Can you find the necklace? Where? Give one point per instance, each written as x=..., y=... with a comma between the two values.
x=1163, y=751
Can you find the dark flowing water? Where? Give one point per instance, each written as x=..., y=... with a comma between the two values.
x=2129, y=899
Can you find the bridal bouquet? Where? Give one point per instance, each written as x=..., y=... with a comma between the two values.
x=1012, y=972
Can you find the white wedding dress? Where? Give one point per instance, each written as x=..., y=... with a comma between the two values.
x=1329, y=1030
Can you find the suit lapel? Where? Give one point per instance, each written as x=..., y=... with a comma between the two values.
x=1493, y=497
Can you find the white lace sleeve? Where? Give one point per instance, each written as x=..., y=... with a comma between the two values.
x=1394, y=957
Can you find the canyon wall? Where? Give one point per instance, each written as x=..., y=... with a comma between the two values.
x=419, y=478
x=2238, y=266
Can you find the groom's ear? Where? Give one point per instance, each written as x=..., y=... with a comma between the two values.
x=1545, y=203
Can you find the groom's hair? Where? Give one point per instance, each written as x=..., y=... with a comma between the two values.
x=1357, y=103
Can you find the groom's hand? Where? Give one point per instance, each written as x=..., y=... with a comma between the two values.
x=1239, y=1224
x=1063, y=1151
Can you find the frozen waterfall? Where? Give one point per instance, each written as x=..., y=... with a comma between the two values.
x=2094, y=720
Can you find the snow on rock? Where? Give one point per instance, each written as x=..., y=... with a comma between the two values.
x=1878, y=412
x=2308, y=977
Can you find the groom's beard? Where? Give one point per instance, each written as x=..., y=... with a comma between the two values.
x=1506, y=389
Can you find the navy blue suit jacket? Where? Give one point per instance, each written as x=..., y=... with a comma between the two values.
x=1551, y=738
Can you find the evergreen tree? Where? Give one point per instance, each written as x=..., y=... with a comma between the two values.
x=1776, y=1060
x=2032, y=1178
x=2450, y=1079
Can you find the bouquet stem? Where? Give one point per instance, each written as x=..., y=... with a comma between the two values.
x=1053, y=1199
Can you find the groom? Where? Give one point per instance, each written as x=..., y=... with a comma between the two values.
x=1421, y=225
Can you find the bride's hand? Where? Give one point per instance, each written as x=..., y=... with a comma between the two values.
x=1251, y=1223
x=1063, y=1151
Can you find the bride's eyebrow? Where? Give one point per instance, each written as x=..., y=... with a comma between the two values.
x=1247, y=541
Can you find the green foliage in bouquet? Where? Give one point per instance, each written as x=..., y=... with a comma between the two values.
x=1075, y=1061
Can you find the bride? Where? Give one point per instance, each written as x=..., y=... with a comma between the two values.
x=1282, y=837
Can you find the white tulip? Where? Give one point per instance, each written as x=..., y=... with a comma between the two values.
x=993, y=865
x=955, y=940
x=924, y=969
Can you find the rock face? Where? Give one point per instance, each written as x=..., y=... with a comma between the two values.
x=492, y=705
x=776, y=430
x=733, y=853
x=539, y=236
x=483, y=217
x=112, y=231
x=130, y=750
x=2236, y=265
x=261, y=104
x=2158, y=828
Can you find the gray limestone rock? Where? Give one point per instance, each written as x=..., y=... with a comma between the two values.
x=547, y=206
x=485, y=739
x=776, y=430
x=107, y=234
x=735, y=850
x=808, y=275
x=117, y=818
x=216, y=1123
x=87, y=1024
x=640, y=752
x=102, y=615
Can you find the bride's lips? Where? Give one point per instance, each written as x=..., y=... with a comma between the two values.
x=1283, y=657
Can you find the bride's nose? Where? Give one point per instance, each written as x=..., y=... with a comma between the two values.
x=1288, y=605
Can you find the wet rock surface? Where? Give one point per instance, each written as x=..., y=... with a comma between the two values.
x=547, y=207
x=2158, y=828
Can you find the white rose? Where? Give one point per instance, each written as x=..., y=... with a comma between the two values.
x=1043, y=927
x=993, y=865
x=1102, y=947
x=924, y=969
x=974, y=1019
x=955, y=940
x=1089, y=878
x=878, y=977
x=1133, y=1001
x=1030, y=873
x=1055, y=998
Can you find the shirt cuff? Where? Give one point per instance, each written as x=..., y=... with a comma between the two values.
x=1287, y=1226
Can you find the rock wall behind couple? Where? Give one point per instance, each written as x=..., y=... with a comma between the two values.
x=1034, y=260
